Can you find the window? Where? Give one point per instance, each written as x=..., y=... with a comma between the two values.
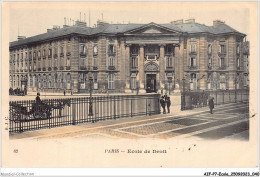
x=222, y=49
x=55, y=51
x=68, y=62
x=222, y=62
x=21, y=55
x=34, y=55
x=111, y=84
x=111, y=49
x=61, y=49
x=111, y=61
x=238, y=49
x=39, y=54
x=26, y=55
x=82, y=49
x=134, y=62
x=95, y=50
x=50, y=52
x=95, y=61
x=193, y=48
x=193, y=81
x=18, y=81
x=17, y=57
x=44, y=53
x=210, y=62
x=82, y=62
x=168, y=61
x=222, y=85
x=193, y=62
x=168, y=50
x=238, y=62
x=133, y=83
x=210, y=49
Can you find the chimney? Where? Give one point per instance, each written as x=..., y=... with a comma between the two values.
x=101, y=23
x=177, y=22
x=81, y=24
x=217, y=22
x=20, y=37
x=192, y=20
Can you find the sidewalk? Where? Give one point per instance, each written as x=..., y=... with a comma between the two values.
x=72, y=130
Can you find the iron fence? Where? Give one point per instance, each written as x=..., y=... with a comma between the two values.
x=49, y=113
x=190, y=100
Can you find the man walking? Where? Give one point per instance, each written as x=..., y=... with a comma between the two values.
x=211, y=105
x=162, y=102
x=168, y=102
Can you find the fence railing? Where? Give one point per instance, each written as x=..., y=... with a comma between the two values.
x=190, y=100
x=32, y=115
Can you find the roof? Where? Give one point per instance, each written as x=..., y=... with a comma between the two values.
x=189, y=28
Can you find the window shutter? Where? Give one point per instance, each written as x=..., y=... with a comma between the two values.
x=219, y=48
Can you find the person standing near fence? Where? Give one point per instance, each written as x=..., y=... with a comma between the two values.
x=162, y=102
x=168, y=102
x=211, y=105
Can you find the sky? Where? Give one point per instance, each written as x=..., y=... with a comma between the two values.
x=32, y=18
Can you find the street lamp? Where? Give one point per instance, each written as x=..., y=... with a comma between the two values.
x=169, y=86
x=90, y=99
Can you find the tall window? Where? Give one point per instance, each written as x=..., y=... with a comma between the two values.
x=61, y=49
x=111, y=49
x=95, y=63
x=238, y=62
x=210, y=63
x=133, y=82
x=222, y=49
x=95, y=80
x=82, y=49
x=222, y=62
x=68, y=62
x=111, y=61
x=210, y=49
x=193, y=81
x=39, y=54
x=111, y=84
x=95, y=50
x=44, y=53
x=222, y=82
x=193, y=47
x=168, y=61
x=238, y=49
x=193, y=62
x=21, y=55
x=134, y=62
x=50, y=52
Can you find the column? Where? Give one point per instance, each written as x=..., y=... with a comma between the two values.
x=127, y=68
x=141, y=69
x=162, y=69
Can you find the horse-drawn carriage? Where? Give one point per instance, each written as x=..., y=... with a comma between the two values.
x=37, y=110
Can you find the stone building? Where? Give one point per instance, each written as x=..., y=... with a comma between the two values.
x=125, y=57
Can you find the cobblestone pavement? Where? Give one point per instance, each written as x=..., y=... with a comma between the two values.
x=228, y=121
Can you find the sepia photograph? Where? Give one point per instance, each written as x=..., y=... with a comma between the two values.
x=130, y=84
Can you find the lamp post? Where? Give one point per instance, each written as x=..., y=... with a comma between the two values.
x=183, y=95
x=90, y=99
x=235, y=89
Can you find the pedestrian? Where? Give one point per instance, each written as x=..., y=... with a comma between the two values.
x=162, y=102
x=168, y=102
x=64, y=92
x=211, y=105
x=38, y=99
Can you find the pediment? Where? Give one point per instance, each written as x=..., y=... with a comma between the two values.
x=152, y=28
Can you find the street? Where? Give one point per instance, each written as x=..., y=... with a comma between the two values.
x=227, y=121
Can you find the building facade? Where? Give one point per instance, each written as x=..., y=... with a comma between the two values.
x=125, y=57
